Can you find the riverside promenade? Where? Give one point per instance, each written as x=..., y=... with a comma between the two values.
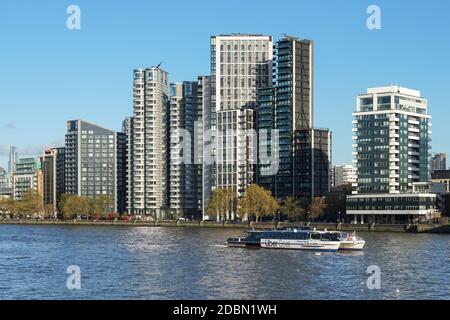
x=419, y=228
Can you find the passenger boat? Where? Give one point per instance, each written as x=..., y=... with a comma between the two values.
x=299, y=239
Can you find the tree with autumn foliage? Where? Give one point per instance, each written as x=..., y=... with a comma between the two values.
x=222, y=203
x=257, y=203
x=292, y=209
x=317, y=208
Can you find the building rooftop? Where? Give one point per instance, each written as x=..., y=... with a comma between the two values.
x=394, y=89
x=243, y=35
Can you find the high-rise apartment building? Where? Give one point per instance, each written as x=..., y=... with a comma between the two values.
x=207, y=143
x=121, y=172
x=392, y=135
x=149, y=154
x=12, y=160
x=312, y=163
x=186, y=148
x=240, y=65
x=26, y=177
x=344, y=174
x=438, y=162
x=3, y=173
x=91, y=161
x=127, y=129
x=53, y=172
x=301, y=153
x=5, y=183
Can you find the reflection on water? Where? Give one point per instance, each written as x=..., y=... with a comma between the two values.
x=192, y=263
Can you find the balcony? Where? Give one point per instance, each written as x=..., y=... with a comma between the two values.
x=394, y=142
x=412, y=121
x=394, y=127
x=394, y=150
x=393, y=134
x=394, y=175
x=410, y=137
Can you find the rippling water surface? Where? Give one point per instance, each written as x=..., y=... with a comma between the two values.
x=192, y=263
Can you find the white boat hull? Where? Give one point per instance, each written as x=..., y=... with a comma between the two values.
x=314, y=245
x=352, y=245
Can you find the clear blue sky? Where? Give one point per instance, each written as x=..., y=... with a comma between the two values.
x=49, y=74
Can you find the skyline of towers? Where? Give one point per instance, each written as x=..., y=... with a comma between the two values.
x=255, y=87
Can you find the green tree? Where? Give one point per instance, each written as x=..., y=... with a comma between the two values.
x=222, y=203
x=99, y=206
x=316, y=208
x=7, y=206
x=257, y=203
x=31, y=203
x=291, y=208
x=213, y=206
x=73, y=205
x=10, y=207
x=68, y=206
x=48, y=210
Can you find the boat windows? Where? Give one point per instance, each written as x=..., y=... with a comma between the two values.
x=330, y=236
x=315, y=236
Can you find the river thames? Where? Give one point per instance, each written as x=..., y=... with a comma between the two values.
x=193, y=263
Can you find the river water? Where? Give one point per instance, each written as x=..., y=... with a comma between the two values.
x=192, y=263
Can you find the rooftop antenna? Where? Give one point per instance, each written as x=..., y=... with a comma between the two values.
x=159, y=65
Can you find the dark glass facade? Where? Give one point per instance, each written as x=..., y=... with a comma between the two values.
x=53, y=173
x=303, y=153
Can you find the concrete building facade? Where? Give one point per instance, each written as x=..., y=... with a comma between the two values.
x=438, y=162
x=27, y=176
x=240, y=65
x=12, y=160
x=148, y=160
x=186, y=149
x=91, y=161
x=392, y=136
x=344, y=174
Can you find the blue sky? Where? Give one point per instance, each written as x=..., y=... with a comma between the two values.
x=49, y=74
